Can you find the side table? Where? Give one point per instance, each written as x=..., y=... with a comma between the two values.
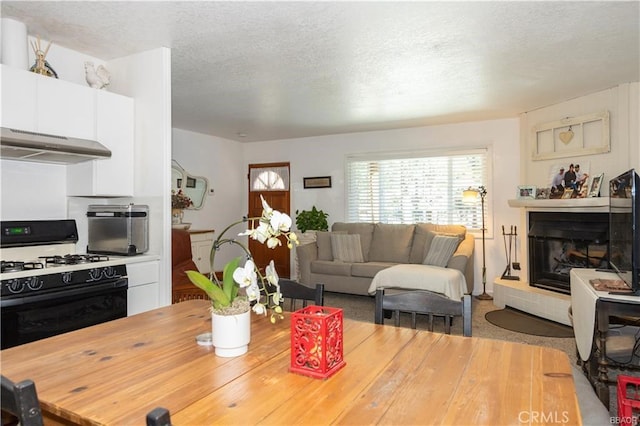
x=592, y=311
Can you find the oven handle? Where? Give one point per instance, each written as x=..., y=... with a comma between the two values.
x=121, y=283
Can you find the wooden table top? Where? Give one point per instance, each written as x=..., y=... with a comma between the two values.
x=114, y=373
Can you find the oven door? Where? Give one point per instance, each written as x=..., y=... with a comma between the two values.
x=35, y=317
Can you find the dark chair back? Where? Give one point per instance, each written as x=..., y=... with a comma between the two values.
x=159, y=416
x=294, y=291
x=21, y=400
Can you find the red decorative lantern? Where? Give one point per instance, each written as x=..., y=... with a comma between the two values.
x=316, y=341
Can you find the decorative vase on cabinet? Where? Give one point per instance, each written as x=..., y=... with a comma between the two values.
x=176, y=216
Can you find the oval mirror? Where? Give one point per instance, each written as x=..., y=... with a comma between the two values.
x=194, y=187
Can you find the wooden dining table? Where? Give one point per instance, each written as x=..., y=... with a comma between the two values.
x=116, y=372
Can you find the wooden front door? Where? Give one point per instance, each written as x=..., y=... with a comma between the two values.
x=272, y=182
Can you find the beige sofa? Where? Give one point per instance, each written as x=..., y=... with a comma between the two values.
x=381, y=246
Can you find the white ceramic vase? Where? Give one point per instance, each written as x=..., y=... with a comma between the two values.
x=231, y=334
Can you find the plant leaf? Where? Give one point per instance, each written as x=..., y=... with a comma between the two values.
x=228, y=284
x=215, y=293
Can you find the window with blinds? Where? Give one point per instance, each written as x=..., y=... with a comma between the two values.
x=417, y=187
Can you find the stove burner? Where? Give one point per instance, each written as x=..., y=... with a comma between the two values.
x=13, y=266
x=73, y=259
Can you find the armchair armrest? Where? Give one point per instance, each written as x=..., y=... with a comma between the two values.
x=306, y=254
x=462, y=260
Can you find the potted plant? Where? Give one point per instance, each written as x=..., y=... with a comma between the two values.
x=313, y=219
x=309, y=221
x=244, y=287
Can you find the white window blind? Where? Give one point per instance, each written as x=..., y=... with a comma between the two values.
x=417, y=187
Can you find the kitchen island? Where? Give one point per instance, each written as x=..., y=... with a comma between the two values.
x=115, y=372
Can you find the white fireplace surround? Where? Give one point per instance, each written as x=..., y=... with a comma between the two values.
x=519, y=294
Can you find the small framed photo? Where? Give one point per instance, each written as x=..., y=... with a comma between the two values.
x=527, y=191
x=317, y=182
x=596, y=183
x=543, y=193
x=568, y=193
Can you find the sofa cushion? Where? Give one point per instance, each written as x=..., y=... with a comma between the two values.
x=391, y=243
x=331, y=268
x=346, y=248
x=369, y=269
x=323, y=241
x=441, y=249
x=365, y=230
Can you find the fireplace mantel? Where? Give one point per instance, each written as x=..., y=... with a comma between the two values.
x=595, y=204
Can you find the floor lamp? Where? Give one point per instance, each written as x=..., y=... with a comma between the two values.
x=471, y=194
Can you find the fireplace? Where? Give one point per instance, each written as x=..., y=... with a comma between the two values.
x=559, y=241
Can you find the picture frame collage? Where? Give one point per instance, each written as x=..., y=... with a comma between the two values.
x=566, y=181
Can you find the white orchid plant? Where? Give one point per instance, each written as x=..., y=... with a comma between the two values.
x=262, y=292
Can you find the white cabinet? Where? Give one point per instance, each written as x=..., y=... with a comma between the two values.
x=144, y=287
x=43, y=104
x=115, y=130
x=18, y=99
x=201, y=243
x=65, y=109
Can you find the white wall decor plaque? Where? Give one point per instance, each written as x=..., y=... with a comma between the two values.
x=569, y=137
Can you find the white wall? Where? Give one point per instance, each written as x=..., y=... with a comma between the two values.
x=622, y=104
x=325, y=156
x=220, y=161
x=32, y=191
x=152, y=164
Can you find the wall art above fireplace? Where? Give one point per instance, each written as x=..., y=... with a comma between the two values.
x=571, y=136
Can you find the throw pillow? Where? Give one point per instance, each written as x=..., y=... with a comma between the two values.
x=346, y=248
x=323, y=241
x=441, y=249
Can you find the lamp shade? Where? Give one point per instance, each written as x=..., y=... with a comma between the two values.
x=470, y=195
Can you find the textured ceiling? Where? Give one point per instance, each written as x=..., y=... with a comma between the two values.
x=276, y=70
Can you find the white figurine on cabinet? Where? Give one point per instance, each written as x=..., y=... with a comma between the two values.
x=97, y=78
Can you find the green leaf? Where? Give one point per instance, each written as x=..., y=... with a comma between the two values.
x=229, y=286
x=215, y=293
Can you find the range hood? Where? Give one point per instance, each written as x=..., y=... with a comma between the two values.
x=43, y=148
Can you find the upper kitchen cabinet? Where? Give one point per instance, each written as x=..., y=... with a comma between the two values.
x=115, y=129
x=41, y=104
x=65, y=109
x=18, y=99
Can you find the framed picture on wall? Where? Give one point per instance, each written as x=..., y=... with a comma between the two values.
x=317, y=182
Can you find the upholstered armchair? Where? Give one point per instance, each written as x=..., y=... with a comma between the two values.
x=181, y=261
